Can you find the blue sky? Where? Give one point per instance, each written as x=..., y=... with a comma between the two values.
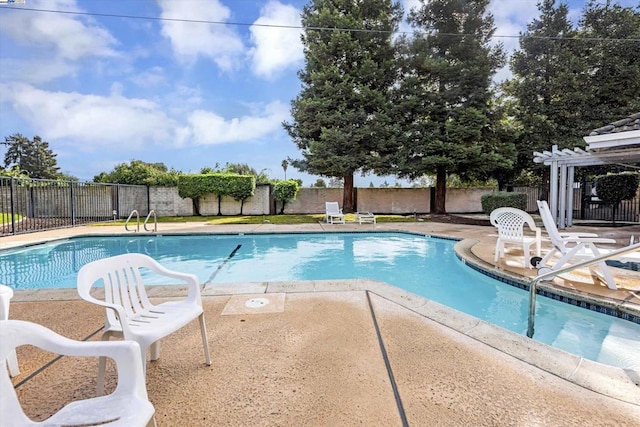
x=107, y=90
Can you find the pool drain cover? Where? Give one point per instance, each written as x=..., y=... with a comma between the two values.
x=256, y=302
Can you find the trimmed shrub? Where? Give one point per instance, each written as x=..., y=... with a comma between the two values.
x=285, y=191
x=614, y=188
x=503, y=199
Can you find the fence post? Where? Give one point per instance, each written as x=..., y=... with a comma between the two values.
x=73, y=205
x=13, y=207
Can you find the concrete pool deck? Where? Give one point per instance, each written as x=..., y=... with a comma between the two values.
x=345, y=352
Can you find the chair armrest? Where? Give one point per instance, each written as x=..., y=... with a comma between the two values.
x=564, y=235
x=126, y=353
x=589, y=240
x=190, y=280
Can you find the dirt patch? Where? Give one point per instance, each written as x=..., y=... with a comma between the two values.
x=457, y=219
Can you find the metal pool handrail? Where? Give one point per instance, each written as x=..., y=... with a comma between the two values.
x=549, y=274
x=155, y=221
x=126, y=224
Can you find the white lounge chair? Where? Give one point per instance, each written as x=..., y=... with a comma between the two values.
x=127, y=406
x=576, y=247
x=333, y=214
x=510, y=223
x=6, y=293
x=129, y=312
x=366, y=217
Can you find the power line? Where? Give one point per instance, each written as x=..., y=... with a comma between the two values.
x=299, y=27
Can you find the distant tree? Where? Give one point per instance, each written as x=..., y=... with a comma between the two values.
x=137, y=172
x=285, y=165
x=34, y=158
x=443, y=100
x=320, y=183
x=340, y=119
x=371, y=184
x=385, y=184
x=13, y=172
x=239, y=169
x=336, y=183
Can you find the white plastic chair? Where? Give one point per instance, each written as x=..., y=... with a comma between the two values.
x=333, y=213
x=576, y=247
x=6, y=293
x=510, y=223
x=127, y=406
x=129, y=312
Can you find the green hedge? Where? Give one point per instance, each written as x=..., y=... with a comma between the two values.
x=502, y=199
x=194, y=186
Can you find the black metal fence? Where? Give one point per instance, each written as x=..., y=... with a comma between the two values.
x=586, y=206
x=591, y=208
x=28, y=205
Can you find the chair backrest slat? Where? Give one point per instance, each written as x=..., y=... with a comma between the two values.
x=550, y=225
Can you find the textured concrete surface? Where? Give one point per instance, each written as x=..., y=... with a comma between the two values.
x=312, y=355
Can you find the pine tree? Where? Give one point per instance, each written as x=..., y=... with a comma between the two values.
x=444, y=97
x=33, y=158
x=341, y=119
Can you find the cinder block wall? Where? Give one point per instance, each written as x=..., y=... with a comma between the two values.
x=166, y=202
x=258, y=204
x=465, y=200
x=393, y=200
x=311, y=200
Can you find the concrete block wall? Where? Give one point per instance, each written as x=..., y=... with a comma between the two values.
x=312, y=200
x=465, y=200
x=258, y=204
x=393, y=200
x=166, y=202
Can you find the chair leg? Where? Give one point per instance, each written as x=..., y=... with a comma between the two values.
x=526, y=248
x=12, y=362
x=608, y=277
x=102, y=365
x=205, y=342
x=155, y=350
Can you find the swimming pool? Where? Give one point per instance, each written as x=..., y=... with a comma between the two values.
x=426, y=266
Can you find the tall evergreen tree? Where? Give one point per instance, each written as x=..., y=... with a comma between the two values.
x=341, y=119
x=610, y=36
x=33, y=158
x=548, y=70
x=443, y=101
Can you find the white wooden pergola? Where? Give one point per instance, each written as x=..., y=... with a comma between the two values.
x=616, y=147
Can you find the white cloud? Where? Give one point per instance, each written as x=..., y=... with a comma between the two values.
x=191, y=40
x=35, y=71
x=90, y=121
x=276, y=49
x=208, y=128
x=512, y=17
x=69, y=37
x=150, y=77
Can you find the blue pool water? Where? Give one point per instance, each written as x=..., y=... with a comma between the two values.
x=422, y=265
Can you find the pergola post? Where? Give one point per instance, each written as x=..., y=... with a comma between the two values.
x=570, y=188
x=562, y=198
x=553, y=190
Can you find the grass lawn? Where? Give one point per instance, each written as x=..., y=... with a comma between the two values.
x=6, y=217
x=272, y=219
